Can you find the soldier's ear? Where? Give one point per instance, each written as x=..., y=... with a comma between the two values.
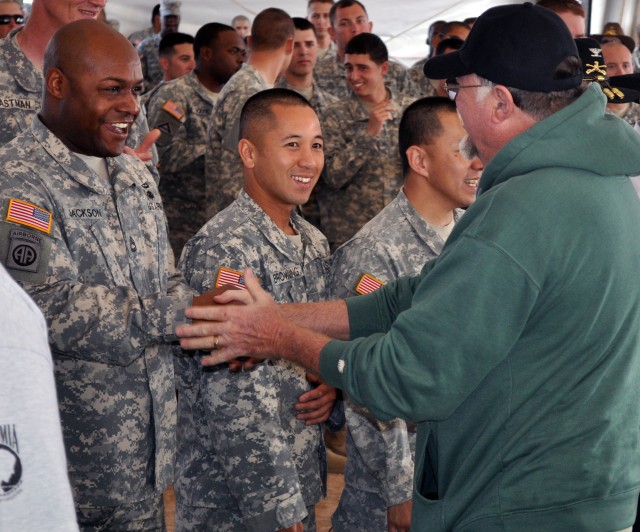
x=288, y=47
x=164, y=64
x=55, y=83
x=332, y=33
x=247, y=153
x=205, y=53
x=418, y=160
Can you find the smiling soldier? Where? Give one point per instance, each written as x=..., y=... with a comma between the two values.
x=83, y=230
x=246, y=458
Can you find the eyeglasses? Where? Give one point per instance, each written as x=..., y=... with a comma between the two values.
x=6, y=19
x=452, y=89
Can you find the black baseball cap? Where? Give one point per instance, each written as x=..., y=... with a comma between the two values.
x=617, y=89
x=518, y=46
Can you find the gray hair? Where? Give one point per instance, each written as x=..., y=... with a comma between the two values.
x=540, y=105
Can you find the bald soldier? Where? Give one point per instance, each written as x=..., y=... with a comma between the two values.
x=21, y=56
x=83, y=230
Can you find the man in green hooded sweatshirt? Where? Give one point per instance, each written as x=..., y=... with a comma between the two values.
x=517, y=350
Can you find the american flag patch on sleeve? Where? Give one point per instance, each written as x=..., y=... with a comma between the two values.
x=174, y=109
x=367, y=284
x=24, y=213
x=232, y=277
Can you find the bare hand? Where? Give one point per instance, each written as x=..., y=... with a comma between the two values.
x=143, y=152
x=380, y=113
x=243, y=364
x=399, y=517
x=234, y=330
x=315, y=406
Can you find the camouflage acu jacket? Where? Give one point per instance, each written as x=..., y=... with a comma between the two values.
x=95, y=258
x=181, y=110
x=240, y=446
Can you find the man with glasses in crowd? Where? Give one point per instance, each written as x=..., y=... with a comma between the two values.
x=517, y=350
x=11, y=17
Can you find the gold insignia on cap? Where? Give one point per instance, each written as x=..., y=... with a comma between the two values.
x=600, y=70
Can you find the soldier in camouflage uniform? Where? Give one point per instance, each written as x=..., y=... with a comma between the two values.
x=245, y=461
x=156, y=26
x=86, y=236
x=148, y=49
x=299, y=77
x=434, y=87
x=21, y=77
x=630, y=112
x=398, y=242
x=363, y=171
x=620, y=63
x=349, y=18
x=181, y=110
x=271, y=47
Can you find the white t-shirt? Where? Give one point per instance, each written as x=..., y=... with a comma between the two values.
x=35, y=493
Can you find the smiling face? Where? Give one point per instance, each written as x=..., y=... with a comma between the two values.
x=65, y=11
x=284, y=161
x=451, y=176
x=170, y=24
x=96, y=97
x=364, y=76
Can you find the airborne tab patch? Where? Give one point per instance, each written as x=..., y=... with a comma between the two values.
x=24, y=213
x=367, y=284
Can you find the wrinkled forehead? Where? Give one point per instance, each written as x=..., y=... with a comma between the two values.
x=10, y=8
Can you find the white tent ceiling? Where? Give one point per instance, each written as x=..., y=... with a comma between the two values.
x=402, y=24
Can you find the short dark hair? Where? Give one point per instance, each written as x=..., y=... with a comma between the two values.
x=239, y=17
x=207, y=35
x=454, y=43
x=449, y=26
x=420, y=124
x=368, y=43
x=259, y=108
x=562, y=6
x=433, y=29
x=271, y=29
x=342, y=4
x=172, y=39
x=302, y=24
x=155, y=12
x=318, y=2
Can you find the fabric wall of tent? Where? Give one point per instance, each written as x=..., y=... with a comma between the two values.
x=402, y=24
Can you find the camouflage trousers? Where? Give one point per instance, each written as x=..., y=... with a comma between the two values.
x=199, y=519
x=360, y=511
x=147, y=515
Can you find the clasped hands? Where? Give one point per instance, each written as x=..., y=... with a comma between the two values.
x=241, y=327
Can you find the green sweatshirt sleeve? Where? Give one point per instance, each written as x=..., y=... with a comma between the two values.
x=422, y=361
